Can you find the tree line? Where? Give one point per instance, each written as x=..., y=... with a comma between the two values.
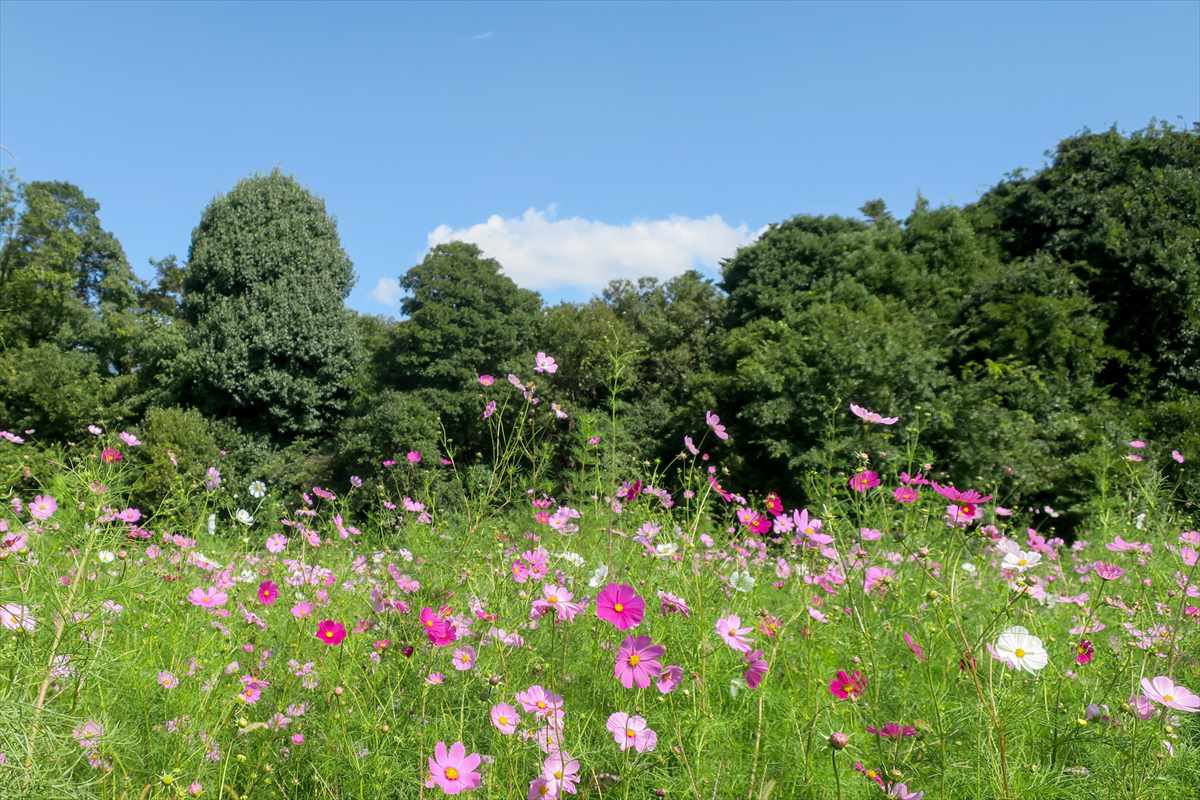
x=1020, y=336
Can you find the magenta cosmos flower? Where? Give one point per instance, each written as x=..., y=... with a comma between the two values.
x=1166, y=692
x=756, y=669
x=439, y=629
x=906, y=494
x=638, y=661
x=864, y=481
x=331, y=632
x=452, y=770
x=632, y=732
x=268, y=593
x=620, y=605
x=486, y=380
x=730, y=630
x=536, y=700
x=848, y=686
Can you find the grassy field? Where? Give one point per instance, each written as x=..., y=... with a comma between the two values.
x=896, y=638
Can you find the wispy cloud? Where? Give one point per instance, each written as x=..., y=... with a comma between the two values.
x=541, y=252
x=387, y=292
x=479, y=37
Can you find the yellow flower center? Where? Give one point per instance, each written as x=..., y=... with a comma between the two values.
x=503, y=720
x=541, y=703
x=1168, y=698
x=452, y=773
x=872, y=774
x=558, y=773
x=552, y=598
x=634, y=660
x=1019, y=653
x=629, y=734
x=1022, y=562
x=617, y=607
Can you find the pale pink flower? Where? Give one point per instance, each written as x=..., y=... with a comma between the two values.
x=728, y=628
x=1166, y=692
x=631, y=731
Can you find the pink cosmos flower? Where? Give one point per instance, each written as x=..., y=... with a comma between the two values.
x=1166, y=692
x=875, y=577
x=1084, y=652
x=714, y=424
x=632, y=732
x=43, y=507
x=1178, y=456
x=1138, y=444
x=486, y=380
x=331, y=632
x=867, y=415
x=864, y=481
x=464, y=658
x=207, y=597
x=505, y=718
x=912, y=645
x=756, y=669
x=1140, y=705
x=489, y=409
x=110, y=455
x=900, y=791
x=167, y=680
x=452, y=770
x=88, y=734
x=414, y=456
x=638, y=661
x=302, y=609
x=268, y=593
x=906, y=494
x=1107, y=572
x=728, y=628
x=544, y=363
x=848, y=686
x=536, y=700
x=620, y=605
x=129, y=439
x=559, y=600
x=276, y=543
x=668, y=603
x=670, y=678
x=561, y=773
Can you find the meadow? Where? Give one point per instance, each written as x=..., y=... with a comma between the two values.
x=676, y=633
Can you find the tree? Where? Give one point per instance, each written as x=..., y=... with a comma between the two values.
x=272, y=345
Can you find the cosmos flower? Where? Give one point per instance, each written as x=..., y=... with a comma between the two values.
x=730, y=630
x=1019, y=649
x=331, y=632
x=207, y=597
x=756, y=669
x=638, y=661
x=866, y=415
x=847, y=686
x=43, y=507
x=544, y=363
x=714, y=424
x=268, y=593
x=1166, y=692
x=505, y=718
x=864, y=481
x=631, y=731
x=619, y=605
x=452, y=770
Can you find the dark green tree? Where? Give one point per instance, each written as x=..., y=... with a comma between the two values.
x=272, y=345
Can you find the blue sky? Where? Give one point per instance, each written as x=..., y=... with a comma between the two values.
x=575, y=142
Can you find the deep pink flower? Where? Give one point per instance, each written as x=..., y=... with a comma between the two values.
x=864, y=481
x=670, y=678
x=906, y=494
x=438, y=629
x=268, y=593
x=756, y=669
x=486, y=380
x=414, y=456
x=848, y=686
x=912, y=645
x=331, y=632
x=620, y=605
x=1084, y=652
x=452, y=770
x=110, y=455
x=638, y=661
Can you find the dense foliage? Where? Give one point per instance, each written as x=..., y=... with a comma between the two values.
x=1025, y=333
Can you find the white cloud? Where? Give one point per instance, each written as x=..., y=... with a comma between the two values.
x=481, y=36
x=387, y=292
x=541, y=252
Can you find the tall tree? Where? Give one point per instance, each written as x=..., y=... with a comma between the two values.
x=272, y=345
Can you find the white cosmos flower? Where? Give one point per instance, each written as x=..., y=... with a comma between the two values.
x=572, y=558
x=212, y=524
x=741, y=581
x=258, y=489
x=243, y=516
x=106, y=556
x=1020, y=560
x=1021, y=650
x=969, y=568
x=598, y=576
x=666, y=549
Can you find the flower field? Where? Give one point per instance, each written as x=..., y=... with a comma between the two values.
x=670, y=634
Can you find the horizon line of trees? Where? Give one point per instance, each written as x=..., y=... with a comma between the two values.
x=1022, y=334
